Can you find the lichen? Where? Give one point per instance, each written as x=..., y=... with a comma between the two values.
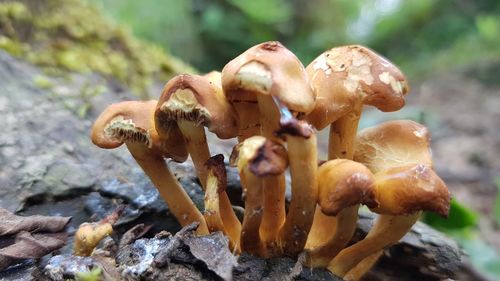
x=72, y=35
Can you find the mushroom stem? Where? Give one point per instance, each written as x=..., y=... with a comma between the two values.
x=273, y=186
x=218, y=210
x=363, y=267
x=169, y=188
x=196, y=142
x=322, y=255
x=319, y=231
x=387, y=230
x=343, y=134
x=250, y=236
x=303, y=161
x=248, y=123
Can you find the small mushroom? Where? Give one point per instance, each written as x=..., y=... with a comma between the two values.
x=218, y=213
x=303, y=160
x=132, y=123
x=343, y=185
x=261, y=73
x=192, y=102
x=89, y=235
x=256, y=158
x=345, y=79
x=398, y=153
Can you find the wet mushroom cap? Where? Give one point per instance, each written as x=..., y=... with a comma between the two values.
x=392, y=144
x=408, y=189
x=340, y=75
x=197, y=99
x=268, y=68
x=343, y=183
x=132, y=121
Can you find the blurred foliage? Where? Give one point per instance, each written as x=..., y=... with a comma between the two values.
x=93, y=275
x=422, y=36
x=63, y=35
x=496, y=207
x=462, y=226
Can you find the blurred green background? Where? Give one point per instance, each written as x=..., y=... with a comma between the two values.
x=421, y=36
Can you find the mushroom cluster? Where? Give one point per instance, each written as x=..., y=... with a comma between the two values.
x=273, y=105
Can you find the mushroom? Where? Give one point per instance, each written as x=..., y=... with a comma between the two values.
x=218, y=213
x=192, y=102
x=342, y=184
x=261, y=73
x=303, y=160
x=256, y=158
x=132, y=123
x=344, y=79
x=88, y=235
x=398, y=153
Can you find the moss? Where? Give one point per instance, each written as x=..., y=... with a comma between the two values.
x=72, y=35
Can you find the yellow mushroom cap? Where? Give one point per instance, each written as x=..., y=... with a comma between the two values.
x=343, y=183
x=341, y=76
x=132, y=121
x=270, y=69
x=200, y=100
x=393, y=144
x=407, y=189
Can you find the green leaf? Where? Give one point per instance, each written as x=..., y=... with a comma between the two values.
x=460, y=217
x=496, y=207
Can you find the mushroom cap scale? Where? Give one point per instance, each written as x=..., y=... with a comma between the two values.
x=393, y=144
x=344, y=76
x=271, y=69
x=132, y=121
x=343, y=183
x=408, y=189
x=200, y=100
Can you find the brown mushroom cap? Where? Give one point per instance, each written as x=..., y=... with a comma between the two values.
x=200, y=100
x=393, y=144
x=132, y=121
x=262, y=156
x=271, y=69
x=343, y=75
x=408, y=189
x=343, y=183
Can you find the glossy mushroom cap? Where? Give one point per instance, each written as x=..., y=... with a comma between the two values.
x=398, y=153
x=343, y=183
x=341, y=76
x=262, y=156
x=409, y=189
x=270, y=69
x=132, y=121
x=393, y=144
x=197, y=99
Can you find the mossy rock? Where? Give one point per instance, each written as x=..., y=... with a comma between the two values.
x=73, y=35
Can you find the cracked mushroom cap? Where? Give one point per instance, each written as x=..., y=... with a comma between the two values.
x=200, y=100
x=132, y=121
x=398, y=153
x=343, y=75
x=270, y=69
x=262, y=156
x=343, y=183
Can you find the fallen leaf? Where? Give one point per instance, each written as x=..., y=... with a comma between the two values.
x=30, y=246
x=12, y=224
